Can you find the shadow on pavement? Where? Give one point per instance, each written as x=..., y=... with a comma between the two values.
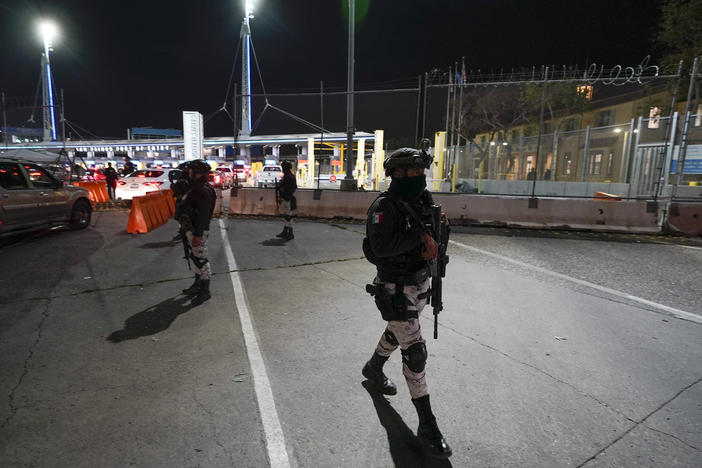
x=153, y=320
x=159, y=245
x=405, y=449
x=274, y=242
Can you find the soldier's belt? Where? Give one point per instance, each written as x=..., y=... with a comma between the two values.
x=415, y=278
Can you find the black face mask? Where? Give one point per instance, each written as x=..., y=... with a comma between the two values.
x=408, y=188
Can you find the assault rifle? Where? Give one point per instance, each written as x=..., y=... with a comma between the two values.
x=185, y=226
x=437, y=267
x=440, y=233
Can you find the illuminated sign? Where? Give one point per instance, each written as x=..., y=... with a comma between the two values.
x=192, y=135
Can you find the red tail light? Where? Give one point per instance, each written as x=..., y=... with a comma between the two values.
x=121, y=183
x=153, y=184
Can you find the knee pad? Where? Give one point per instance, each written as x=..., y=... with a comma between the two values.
x=415, y=357
x=390, y=338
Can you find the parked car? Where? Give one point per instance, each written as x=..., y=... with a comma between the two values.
x=243, y=171
x=143, y=181
x=227, y=177
x=269, y=175
x=240, y=173
x=94, y=175
x=31, y=198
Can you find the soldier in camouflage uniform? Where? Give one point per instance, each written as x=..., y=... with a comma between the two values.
x=401, y=248
x=196, y=210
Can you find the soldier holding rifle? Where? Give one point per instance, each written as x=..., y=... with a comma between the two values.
x=406, y=238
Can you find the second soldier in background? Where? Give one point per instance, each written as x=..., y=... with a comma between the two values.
x=196, y=208
x=286, y=189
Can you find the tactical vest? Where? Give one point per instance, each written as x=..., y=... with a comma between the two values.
x=399, y=266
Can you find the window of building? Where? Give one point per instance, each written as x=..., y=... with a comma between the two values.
x=604, y=118
x=654, y=117
x=585, y=91
x=567, y=163
x=595, y=164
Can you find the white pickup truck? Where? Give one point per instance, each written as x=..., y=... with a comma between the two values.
x=269, y=175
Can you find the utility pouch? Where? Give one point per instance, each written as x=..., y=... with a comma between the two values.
x=293, y=203
x=391, y=307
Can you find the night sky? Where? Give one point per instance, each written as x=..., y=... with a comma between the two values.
x=140, y=63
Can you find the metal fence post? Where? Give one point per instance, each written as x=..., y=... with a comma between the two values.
x=665, y=174
x=626, y=157
x=586, y=150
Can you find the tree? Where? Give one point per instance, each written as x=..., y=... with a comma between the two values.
x=680, y=35
x=680, y=31
x=493, y=110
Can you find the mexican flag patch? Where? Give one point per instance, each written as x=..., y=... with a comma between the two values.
x=378, y=218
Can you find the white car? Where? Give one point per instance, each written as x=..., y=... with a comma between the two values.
x=269, y=175
x=143, y=181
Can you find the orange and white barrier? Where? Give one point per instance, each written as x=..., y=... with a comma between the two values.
x=150, y=211
x=96, y=190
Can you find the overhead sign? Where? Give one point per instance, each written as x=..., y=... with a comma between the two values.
x=192, y=135
x=693, y=159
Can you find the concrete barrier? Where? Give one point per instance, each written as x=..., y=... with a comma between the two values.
x=464, y=209
x=685, y=218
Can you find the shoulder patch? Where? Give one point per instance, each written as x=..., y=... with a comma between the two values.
x=377, y=217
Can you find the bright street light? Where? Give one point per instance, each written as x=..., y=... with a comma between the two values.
x=249, y=8
x=48, y=32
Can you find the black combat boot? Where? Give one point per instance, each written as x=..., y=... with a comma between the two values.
x=373, y=371
x=289, y=235
x=283, y=233
x=428, y=432
x=203, y=294
x=193, y=290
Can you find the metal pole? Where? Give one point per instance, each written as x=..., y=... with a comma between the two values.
x=321, y=136
x=349, y=183
x=626, y=155
x=682, y=152
x=246, y=74
x=63, y=122
x=419, y=109
x=4, y=121
x=424, y=106
x=586, y=150
x=538, y=138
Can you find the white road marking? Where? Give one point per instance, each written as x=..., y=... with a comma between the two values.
x=675, y=312
x=275, y=439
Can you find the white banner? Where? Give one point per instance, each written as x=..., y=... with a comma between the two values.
x=192, y=135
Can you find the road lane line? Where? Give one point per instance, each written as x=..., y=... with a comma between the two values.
x=275, y=439
x=675, y=312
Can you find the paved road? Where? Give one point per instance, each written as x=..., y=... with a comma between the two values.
x=551, y=353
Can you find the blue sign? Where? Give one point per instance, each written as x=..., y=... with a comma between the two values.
x=693, y=160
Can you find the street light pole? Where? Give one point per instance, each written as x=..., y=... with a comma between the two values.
x=348, y=183
x=246, y=70
x=48, y=32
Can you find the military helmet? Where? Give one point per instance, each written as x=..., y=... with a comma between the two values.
x=199, y=166
x=184, y=166
x=286, y=165
x=406, y=157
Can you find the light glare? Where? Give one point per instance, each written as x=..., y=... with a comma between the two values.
x=48, y=30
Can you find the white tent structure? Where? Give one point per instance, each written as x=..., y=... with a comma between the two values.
x=30, y=155
x=60, y=168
